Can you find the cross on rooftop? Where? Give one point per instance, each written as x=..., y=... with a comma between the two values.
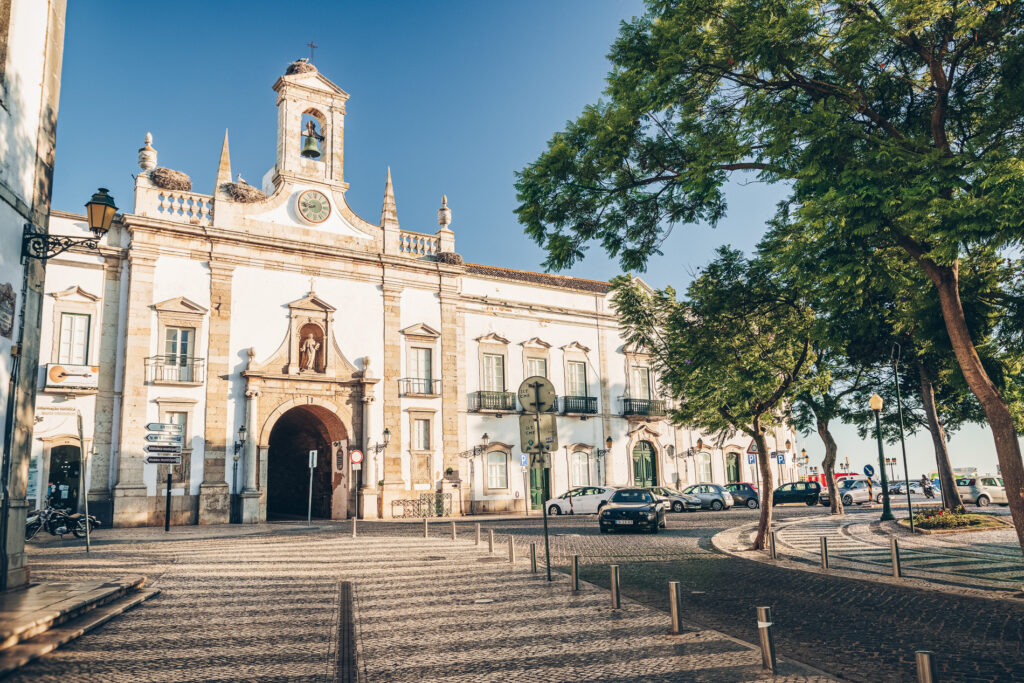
x=312, y=46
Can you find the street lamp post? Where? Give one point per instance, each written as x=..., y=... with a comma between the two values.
x=239, y=445
x=899, y=406
x=876, y=406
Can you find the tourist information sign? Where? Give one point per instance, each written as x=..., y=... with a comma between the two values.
x=539, y=434
x=165, y=437
x=163, y=459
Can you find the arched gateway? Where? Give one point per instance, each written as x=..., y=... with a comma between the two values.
x=296, y=432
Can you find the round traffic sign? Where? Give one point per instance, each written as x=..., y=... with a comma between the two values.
x=537, y=394
x=869, y=471
x=355, y=456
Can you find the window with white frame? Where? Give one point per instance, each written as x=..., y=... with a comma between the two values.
x=536, y=367
x=641, y=382
x=494, y=372
x=419, y=363
x=178, y=343
x=580, y=468
x=497, y=470
x=421, y=434
x=576, y=381
x=704, y=467
x=74, y=339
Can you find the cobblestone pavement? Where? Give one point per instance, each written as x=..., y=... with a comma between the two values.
x=266, y=607
x=977, y=560
x=863, y=630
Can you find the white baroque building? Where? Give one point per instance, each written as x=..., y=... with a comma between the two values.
x=280, y=311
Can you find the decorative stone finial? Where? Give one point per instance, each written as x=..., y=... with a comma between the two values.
x=389, y=212
x=367, y=372
x=147, y=155
x=444, y=214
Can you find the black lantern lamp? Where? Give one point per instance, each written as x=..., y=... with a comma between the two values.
x=99, y=211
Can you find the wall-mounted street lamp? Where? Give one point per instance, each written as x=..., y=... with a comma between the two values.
x=602, y=452
x=385, y=440
x=99, y=212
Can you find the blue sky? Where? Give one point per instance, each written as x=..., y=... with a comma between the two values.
x=454, y=96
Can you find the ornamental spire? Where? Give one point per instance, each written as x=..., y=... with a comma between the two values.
x=224, y=168
x=389, y=213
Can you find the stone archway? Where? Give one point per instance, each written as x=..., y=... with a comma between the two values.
x=289, y=434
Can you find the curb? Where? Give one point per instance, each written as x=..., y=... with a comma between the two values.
x=727, y=543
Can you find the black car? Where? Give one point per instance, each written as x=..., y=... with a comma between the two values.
x=806, y=492
x=743, y=494
x=632, y=509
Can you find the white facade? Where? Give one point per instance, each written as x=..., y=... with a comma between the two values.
x=315, y=329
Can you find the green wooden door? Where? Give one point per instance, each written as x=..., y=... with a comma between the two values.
x=644, y=472
x=538, y=487
x=732, y=467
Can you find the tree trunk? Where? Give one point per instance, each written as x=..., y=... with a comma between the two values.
x=765, y=521
x=947, y=485
x=1011, y=466
x=828, y=466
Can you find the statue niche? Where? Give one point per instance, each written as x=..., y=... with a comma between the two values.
x=311, y=348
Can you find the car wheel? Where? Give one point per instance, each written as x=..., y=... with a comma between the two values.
x=554, y=510
x=878, y=498
x=716, y=505
x=810, y=503
x=752, y=503
x=847, y=499
x=677, y=506
x=983, y=501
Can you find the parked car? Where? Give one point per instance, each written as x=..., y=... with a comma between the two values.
x=712, y=496
x=743, y=493
x=850, y=491
x=676, y=500
x=805, y=492
x=633, y=509
x=982, y=491
x=581, y=500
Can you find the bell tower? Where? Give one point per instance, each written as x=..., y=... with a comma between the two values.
x=310, y=127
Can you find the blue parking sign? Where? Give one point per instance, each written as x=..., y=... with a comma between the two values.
x=524, y=460
x=750, y=458
x=781, y=455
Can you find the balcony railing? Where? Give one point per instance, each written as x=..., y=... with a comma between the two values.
x=643, y=406
x=173, y=369
x=416, y=386
x=580, y=405
x=492, y=400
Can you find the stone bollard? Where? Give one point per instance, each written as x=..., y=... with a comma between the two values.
x=478, y=533
x=511, y=550
x=615, y=586
x=772, y=552
x=490, y=541
x=533, y=558
x=764, y=630
x=675, y=606
x=353, y=527
x=824, y=553
x=575, y=572
x=454, y=534
x=894, y=548
x=426, y=532
x=925, y=666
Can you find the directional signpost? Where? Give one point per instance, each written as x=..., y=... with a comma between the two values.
x=309, y=506
x=165, y=438
x=539, y=435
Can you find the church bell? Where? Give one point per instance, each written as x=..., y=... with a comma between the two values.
x=310, y=148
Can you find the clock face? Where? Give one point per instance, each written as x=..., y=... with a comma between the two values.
x=314, y=206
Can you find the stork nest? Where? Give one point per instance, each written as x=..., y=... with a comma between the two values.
x=299, y=66
x=450, y=258
x=169, y=179
x=243, y=192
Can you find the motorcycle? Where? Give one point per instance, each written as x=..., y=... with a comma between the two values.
x=928, y=491
x=58, y=522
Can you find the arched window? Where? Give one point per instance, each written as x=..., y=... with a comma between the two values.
x=497, y=470
x=704, y=467
x=580, y=468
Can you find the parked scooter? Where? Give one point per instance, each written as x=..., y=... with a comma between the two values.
x=58, y=522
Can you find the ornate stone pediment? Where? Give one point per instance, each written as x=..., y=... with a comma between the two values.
x=492, y=338
x=421, y=330
x=180, y=306
x=576, y=346
x=535, y=343
x=309, y=349
x=73, y=293
x=644, y=430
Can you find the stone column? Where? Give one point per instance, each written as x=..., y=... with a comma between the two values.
x=250, y=496
x=214, y=498
x=100, y=500
x=131, y=501
x=368, y=492
x=394, y=485
x=453, y=376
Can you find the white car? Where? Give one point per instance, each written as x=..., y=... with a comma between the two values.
x=581, y=500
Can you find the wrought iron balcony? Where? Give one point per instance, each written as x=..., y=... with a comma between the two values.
x=416, y=386
x=647, y=407
x=492, y=400
x=175, y=370
x=579, y=405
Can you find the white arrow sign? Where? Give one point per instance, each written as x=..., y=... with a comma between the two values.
x=165, y=438
x=164, y=427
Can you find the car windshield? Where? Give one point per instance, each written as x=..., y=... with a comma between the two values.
x=964, y=482
x=632, y=496
x=848, y=484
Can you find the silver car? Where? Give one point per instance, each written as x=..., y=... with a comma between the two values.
x=679, y=501
x=711, y=496
x=850, y=491
x=982, y=491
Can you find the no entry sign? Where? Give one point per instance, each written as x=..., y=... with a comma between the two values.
x=355, y=456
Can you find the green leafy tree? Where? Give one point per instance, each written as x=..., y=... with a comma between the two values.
x=896, y=123
x=732, y=353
